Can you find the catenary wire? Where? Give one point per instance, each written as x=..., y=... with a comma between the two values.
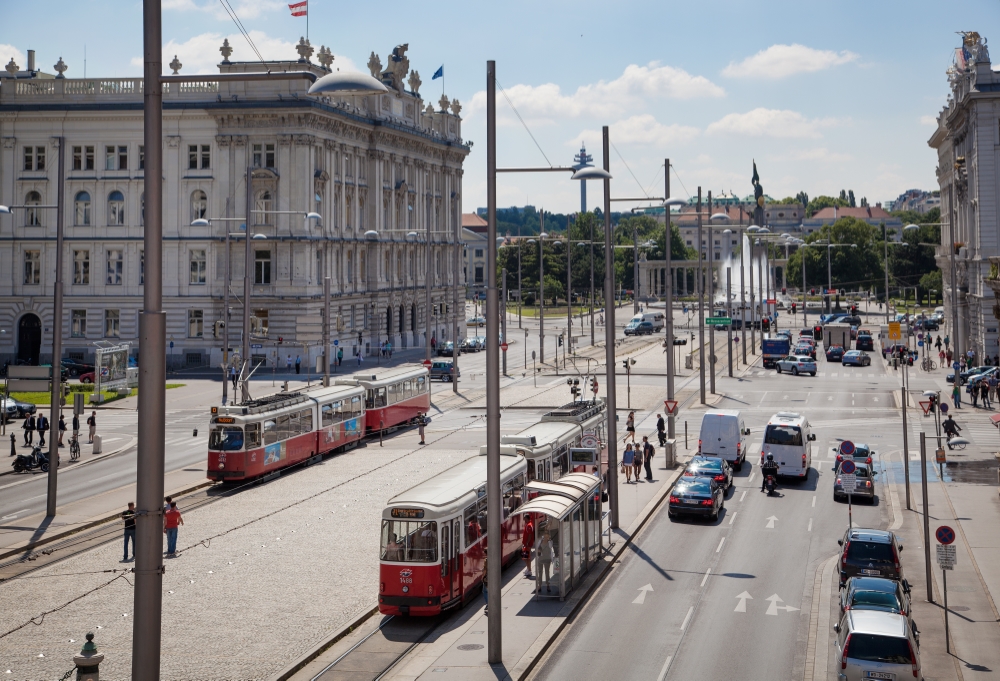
x=239, y=24
x=516, y=113
x=641, y=188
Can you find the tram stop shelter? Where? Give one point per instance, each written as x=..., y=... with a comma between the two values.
x=569, y=540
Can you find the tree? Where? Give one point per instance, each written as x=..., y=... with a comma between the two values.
x=850, y=268
x=787, y=200
x=843, y=195
x=932, y=281
x=850, y=198
x=821, y=202
x=802, y=198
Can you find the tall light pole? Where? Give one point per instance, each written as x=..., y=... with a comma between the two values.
x=609, y=337
x=701, y=305
x=541, y=293
x=669, y=293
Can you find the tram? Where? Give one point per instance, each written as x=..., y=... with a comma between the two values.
x=546, y=445
x=433, y=536
x=265, y=435
x=393, y=396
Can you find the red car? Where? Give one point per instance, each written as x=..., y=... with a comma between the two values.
x=87, y=377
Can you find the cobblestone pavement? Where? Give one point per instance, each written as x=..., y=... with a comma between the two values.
x=281, y=566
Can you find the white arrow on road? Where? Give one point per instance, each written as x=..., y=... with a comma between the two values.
x=641, y=598
x=742, y=605
x=774, y=607
x=770, y=523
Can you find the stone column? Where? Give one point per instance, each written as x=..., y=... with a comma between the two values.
x=88, y=660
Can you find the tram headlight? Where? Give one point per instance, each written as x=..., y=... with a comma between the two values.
x=406, y=589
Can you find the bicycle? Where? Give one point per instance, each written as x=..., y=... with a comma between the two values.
x=928, y=364
x=74, y=449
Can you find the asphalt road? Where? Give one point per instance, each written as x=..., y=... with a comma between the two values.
x=731, y=599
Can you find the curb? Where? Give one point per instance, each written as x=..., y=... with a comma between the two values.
x=99, y=457
x=328, y=641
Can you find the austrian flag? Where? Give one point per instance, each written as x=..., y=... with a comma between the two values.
x=299, y=9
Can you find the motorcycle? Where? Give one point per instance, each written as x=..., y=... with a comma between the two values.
x=29, y=462
x=770, y=484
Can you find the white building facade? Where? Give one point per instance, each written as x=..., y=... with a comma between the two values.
x=384, y=173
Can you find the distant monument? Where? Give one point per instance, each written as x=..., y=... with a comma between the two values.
x=758, y=197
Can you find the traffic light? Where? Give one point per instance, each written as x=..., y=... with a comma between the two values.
x=812, y=291
x=793, y=308
x=933, y=400
x=783, y=290
x=854, y=309
x=818, y=333
x=593, y=385
x=560, y=340
x=765, y=324
x=280, y=340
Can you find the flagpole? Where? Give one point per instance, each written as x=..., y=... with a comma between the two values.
x=307, y=21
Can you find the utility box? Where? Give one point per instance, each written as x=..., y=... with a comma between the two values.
x=670, y=453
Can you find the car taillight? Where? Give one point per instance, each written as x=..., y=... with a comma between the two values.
x=868, y=483
x=895, y=556
x=838, y=481
x=843, y=655
x=674, y=500
x=689, y=473
x=803, y=459
x=720, y=478
x=839, y=458
x=847, y=545
x=707, y=502
x=868, y=460
x=738, y=445
x=913, y=660
x=699, y=444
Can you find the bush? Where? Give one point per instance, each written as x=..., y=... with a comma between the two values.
x=529, y=300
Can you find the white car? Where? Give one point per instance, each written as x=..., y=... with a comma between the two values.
x=796, y=364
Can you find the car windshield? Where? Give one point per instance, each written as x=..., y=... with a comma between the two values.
x=698, y=487
x=714, y=465
x=409, y=541
x=783, y=435
x=877, y=599
x=869, y=551
x=874, y=648
x=226, y=439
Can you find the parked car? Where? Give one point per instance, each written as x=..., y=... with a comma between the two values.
x=796, y=364
x=876, y=645
x=878, y=594
x=870, y=553
x=8, y=407
x=482, y=342
x=975, y=379
x=24, y=409
x=696, y=496
x=476, y=321
x=865, y=488
x=446, y=349
x=856, y=358
x=470, y=344
x=966, y=375
x=444, y=371
x=75, y=367
x=87, y=377
x=835, y=353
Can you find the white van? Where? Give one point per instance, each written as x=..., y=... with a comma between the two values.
x=656, y=318
x=789, y=439
x=723, y=434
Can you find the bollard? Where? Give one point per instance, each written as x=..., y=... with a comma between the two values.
x=195, y=433
x=97, y=445
x=88, y=661
x=685, y=435
x=670, y=453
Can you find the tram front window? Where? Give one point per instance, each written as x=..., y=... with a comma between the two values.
x=226, y=439
x=409, y=541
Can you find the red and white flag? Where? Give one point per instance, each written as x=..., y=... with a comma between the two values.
x=299, y=9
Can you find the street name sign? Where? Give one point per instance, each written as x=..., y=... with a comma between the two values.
x=718, y=321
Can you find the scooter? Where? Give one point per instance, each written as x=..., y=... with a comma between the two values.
x=35, y=460
x=770, y=484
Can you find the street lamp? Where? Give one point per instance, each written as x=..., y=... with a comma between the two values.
x=541, y=293
x=669, y=203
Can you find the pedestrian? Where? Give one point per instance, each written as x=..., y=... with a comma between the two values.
x=630, y=427
x=974, y=395
x=233, y=376
x=43, y=427
x=984, y=393
x=956, y=395
x=420, y=427
x=298, y=364
x=640, y=455
x=937, y=343
x=648, y=451
x=29, y=430
x=628, y=462
x=288, y=363
x=62, y=429
x=996, y=360
x=166, y=503
x=76, y=426
x=361, y=357
x=388, y=346
x=947, y=342
x=545, y=553
x=941, y=357
x=661, y=430
x=171, y=520
x=434, y=342
x=340, y=356
x=993, y=383
x=128, y=516
x=527, y=544
x=92, y=425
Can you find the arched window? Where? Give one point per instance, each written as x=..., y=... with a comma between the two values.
x=263, y=207
x=399, y=268
x=82, y=205
x=33, y=216
x=116, y=208
x=199, y=205
x=350, y=266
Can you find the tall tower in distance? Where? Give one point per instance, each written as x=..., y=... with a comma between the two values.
x=583, y=160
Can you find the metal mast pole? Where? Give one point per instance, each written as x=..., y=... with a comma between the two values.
x=493, y=501
x=520, y=290
x=669, y=294
x=428, y=304
x=591, y=281
x=829, y=279
x=635, y=270
x=701, y=305
x=57, y=332
x=569, y=294
x=225, y=320
x=503, y=318
x=541, y=286
x=455, y=318
x=609, y=342
x=148, y=590
x=729, y=310
x=743, y=296
x=247, y=288
x=753, y=309
x=710, y=272
x=952, y=218
x=326, y=326
x=885, y=244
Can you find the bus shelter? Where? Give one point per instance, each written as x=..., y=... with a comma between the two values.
x=568, y=536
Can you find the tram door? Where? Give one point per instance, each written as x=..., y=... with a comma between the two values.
x=451, y=542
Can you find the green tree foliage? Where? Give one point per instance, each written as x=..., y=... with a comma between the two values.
x=932, y=281
x=802, y=198
x=821, y=202
x=788, y=199
x=646, y=229
x=930, y=232
x=850, y=198
x=851, y=268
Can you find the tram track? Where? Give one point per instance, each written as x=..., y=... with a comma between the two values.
x=380, y=650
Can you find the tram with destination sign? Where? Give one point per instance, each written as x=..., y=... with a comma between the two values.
x=552, y=447
x=393, y=396
x=263, y=436
x=434, y=535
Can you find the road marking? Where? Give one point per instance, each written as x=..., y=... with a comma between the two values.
x=814, y=502
x=810, y=528
x=705, y=578
x=830, y=398
x=750, y=479
x=719, y=547
x=743, y=496
x=666, y=665
x=641, y=598
x=876, y=399
x=770, y=523
x=785, y=397
x=731, y=519
x=742, y=605
x=774, y=607
x=687, y=617
x=15, y=514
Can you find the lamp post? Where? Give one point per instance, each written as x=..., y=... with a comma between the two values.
x=541, y=294
x=669, y=302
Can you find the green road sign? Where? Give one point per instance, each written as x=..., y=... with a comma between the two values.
x=718, y=321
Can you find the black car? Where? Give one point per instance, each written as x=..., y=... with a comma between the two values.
x=865, y=488
x=75, y=367
x=712, y=467
x=696, y=496
x=446, y=349
x=965, y=375
x=23, y=408
x=864, y=341
x=870, y=553
x=835, y=353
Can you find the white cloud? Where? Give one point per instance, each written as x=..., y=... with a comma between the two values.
x=762, y=122
x=781, y=61
x=642, y=129
x=200, y=54
x=821, y=154
x=928, y=120
x=8, y=52
x=244, y=9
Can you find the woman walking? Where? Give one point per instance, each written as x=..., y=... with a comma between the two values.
x=956, y=395
x=628, y=462
x=630, y=427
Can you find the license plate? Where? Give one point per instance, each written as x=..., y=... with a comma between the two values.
x=880, y=675
x=693, y=502
x=875, y=572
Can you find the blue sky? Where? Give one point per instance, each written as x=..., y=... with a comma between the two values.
x=824, y=95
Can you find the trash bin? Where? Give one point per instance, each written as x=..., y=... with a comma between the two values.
x=97, y=445
x=689, y=362
x=670, y=453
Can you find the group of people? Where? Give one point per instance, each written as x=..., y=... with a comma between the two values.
x=637, y=456
x=545, y=552
x=984, y=390
x=41, y=426
x=172, y=519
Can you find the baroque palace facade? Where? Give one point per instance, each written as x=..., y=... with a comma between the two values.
x=384, y=173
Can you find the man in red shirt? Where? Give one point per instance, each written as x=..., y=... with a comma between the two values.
x=171, y=519
x=527, y=543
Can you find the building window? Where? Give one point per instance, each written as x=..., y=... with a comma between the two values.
x=32, y=267
x=350, y=267
x=83, y=158
x=199, y=205
x=479, y=253
x=198, y=156
x=262, y=208
x=34, y=158
x=112, y=324
x=116, y=158
x=196, y=323
x=479, y=274
x=82, y=204
x=116, y=208
x=78, y=328
x=198, y=264
x=142, y=208
x=262, y=267
x=142, y=267
x=263, y=155
x=32, y=216
x=142, y=157
x=81, y=267
x=116, y=263
x=362, y=267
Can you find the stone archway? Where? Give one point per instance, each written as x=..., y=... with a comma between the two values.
x=29, y=339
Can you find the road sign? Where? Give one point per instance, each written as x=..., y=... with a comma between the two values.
x=503, y=346
x=336, y=343
x=848, y=482
x=944, y=535
x=947, y=557
x=847, y=449
x=256, y=346
x=920, y=344
x=956, y=366
x=589, y=441
x=940, y=456
x=171, y=345
x=427, y=363
x=670, y=406
x=926, y=406
x=848, y=466
x=718, y=321
x=944, y=408
x=894, y=331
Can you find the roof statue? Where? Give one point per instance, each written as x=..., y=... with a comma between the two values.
x=444, y=104
x=456, y=108
x=414, y=82
x=397, y=68
x=375, y=65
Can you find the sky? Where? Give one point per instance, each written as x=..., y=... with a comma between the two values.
x=823, y=95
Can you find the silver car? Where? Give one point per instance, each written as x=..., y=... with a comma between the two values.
x=796, y=364
x=876, y=645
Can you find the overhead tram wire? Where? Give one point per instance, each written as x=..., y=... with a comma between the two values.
x=516, y=113
x=239, y=24
x=674, y=168
x=641, y=188
x=650, y=187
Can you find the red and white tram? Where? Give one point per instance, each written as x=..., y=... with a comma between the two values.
x=433, y=537
x=393, y=396
x=546, y=445
x=265, y=435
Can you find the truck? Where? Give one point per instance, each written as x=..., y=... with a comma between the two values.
x=837, y=334
x=774, y=348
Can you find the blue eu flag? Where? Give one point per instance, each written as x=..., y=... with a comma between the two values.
x=439, y=73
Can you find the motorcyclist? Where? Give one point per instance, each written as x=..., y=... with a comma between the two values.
x=951, y=429
x=769, y=467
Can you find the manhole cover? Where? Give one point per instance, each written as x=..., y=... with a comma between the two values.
x=477, y=646
x=959, y=608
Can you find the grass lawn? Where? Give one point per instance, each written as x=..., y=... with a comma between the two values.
x=109, y=396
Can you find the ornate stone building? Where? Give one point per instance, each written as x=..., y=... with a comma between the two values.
x=384, y=172
x=967, y=140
